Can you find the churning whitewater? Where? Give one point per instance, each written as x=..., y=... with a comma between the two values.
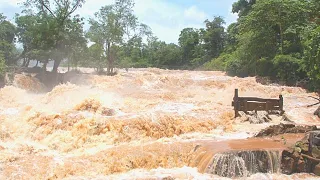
x=141, y=124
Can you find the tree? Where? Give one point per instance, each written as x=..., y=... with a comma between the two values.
x=214, y=37
x=189, y=39
x=76, y=44
x=311, y=42
x=7, y=38
x=232, y=37
x=113, y=26
x=242, y=7
x=54, y=17
x=268, y=28
x=110, y=26
x=285, y=20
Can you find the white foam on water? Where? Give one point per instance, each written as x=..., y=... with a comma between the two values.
x=9, y=111
x=180, y=108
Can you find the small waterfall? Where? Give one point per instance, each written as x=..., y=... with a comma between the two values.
x=245, y=163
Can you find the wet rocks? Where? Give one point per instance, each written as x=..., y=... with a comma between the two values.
x=284, y=128
x=255, y=117
x=317, y=112
x=287, y=165
x=316, y=170
x=260, y=117
x=107, y=111
x=302, y=157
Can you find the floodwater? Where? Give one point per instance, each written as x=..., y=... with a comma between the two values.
x=141, y=124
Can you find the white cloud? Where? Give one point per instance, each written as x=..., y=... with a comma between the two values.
x=11, y=2
x=231, y=17
x=92, y=6
x=194, y=14
x=166, y=18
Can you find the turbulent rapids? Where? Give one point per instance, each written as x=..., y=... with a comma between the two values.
x=145, y=123
x=245, y=163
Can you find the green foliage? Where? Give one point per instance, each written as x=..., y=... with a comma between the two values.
x=279, y=39
x=265, y=67
x=242, y=7
x=7, y=37
x=219, y=64
x=189, y=39
x=288, y=69
x=2, y=66
x=110, y=27
x=214, y=37
x=95, y=57
x=236, y=67
x=48, y=32
x=312, y=55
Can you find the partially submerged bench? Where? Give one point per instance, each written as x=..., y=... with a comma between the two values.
x=246, y=104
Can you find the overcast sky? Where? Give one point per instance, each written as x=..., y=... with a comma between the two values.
x=165, y=17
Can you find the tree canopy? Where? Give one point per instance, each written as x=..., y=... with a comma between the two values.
x=277, y=39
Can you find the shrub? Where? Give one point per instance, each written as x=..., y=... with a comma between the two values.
x=218, y=64
x=288, y=69
x=236, y=67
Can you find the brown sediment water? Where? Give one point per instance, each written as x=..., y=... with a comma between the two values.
x=241, y=157
x=208, y=156
x=137, y=122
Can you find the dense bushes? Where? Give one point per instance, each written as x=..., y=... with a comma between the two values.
x=288, y=69
x=218, y=64
x=284, y=46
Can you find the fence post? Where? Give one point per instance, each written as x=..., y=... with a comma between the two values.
x=236, y=103
x=281, y=104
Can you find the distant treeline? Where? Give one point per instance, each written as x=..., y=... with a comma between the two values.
x=279, y=39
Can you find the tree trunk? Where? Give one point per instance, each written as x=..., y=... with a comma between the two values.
x=24, y=62
x=281, y=36
x=68, y=65
x=37, y=63
x=44, y=67
x=56, y=65
x=28, y=62
x=109, y=67
x=281, y=31
x=42, y=73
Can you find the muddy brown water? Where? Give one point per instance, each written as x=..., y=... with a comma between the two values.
x=163, y=119
x=207, y=149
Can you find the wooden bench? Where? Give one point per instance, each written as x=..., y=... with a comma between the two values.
x=246, y=104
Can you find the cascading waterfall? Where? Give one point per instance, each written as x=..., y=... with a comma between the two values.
x=245, y=163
